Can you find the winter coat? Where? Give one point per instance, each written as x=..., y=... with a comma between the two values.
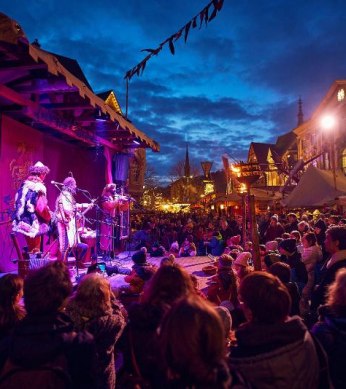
x=39, y=340
x=331, y=332
x=328, y=276
x=106, y=329
x=280, y=355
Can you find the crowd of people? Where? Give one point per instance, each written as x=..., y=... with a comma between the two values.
x=280, y=325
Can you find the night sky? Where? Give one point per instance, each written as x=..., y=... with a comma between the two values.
x=235, y=81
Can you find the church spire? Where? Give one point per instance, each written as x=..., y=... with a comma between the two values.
x=187, y=170
x=300, y=112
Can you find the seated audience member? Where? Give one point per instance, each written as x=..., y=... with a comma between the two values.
x=168, y=261
x=336, y=246
x=192, y=363
x=139, y=342
x=11, y=312
x=290, y=255
x=157, y=250
x=241, y=264
x=188, y=248
x=330, y=329
x=292, y=222
x=174, y=249
x=224, y=285
x=272, y=348
x=94, y=308
x=141, y=272
x=312, y=254
x=44, y=341
x=283, y=272
x=262, y=252
x=270, y=259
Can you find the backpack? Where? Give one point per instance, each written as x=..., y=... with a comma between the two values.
x=50, y=375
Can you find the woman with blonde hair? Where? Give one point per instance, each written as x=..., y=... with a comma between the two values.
x=94, y=308
x=330, y=330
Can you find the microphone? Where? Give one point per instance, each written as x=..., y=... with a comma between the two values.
x=56, y=183
x=82, y=190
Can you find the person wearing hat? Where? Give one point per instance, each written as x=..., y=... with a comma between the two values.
x=291, y=256
x=241, y=264
x=274, y=230
x=141, y=272
x=32, y=214
x=66, y=211
x=292, y=224
x=223, y=288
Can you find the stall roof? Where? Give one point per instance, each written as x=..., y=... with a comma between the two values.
x=50, y=92
x=316, y=189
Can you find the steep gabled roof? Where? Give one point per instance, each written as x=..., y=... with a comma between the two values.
x=285, y=142
x=261, y=151
x=110, y=98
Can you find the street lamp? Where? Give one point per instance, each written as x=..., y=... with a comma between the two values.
x=328, y=124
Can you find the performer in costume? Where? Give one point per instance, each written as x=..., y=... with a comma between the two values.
x=32, y=214
x=110, y=210
x=66, y=211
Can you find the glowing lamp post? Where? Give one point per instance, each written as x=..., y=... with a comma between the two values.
x=328, y=125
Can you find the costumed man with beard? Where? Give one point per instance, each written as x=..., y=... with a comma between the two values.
x=66, y=215
x=32, y=214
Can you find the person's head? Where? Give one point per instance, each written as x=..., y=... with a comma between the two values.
x=309, y=239
x=265, y=298
x=303, y=227
x=168, y=284
x=11, y=291
x=336, y=294
x=271, y=258
x=93, y=294
x=225, y=261
x=168, y=261
x=39, y=169
x=47, y=288
x=272, y=245
x=274, y=220
x=295, y=235
x=109, y=190
x=288, y=246
x=292, y=217
x=281, y=270
x=70, y=184
x=139, y=257
x=320, y=226
x=193, y=351
x=335, y=239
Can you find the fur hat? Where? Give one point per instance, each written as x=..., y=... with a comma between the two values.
x=275, y=216
x=243, y=259
x=139, y=258
x=289, y=245
x=38, y=168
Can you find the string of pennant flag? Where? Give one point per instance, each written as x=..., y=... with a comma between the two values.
x=206, y=15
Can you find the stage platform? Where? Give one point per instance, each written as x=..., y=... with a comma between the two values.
x=193, y=265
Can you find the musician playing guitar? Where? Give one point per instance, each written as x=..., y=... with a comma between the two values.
x=66, y=211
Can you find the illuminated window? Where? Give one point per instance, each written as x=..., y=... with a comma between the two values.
x=343, y=161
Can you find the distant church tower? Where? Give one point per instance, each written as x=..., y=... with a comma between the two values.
x=187, y=170
x=300, y=112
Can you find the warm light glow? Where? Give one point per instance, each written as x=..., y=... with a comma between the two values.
x=212, y=206
x=242, y=188
x=328, y=122
x=222, y=206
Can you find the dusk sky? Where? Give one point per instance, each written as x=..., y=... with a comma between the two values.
x=235, y=81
